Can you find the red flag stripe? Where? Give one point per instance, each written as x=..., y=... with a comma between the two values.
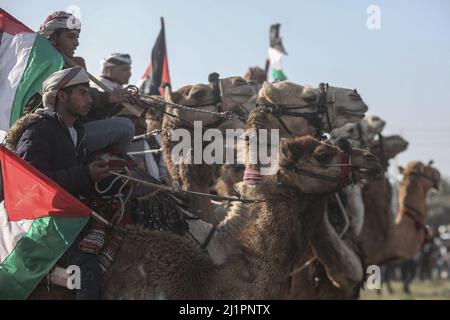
x=29, y=194
x=11, y=25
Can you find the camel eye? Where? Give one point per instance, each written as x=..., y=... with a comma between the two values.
x=323, y=157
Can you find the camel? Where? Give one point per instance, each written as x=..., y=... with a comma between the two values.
x=338, y=273
x=361, y=134
x=387, y=238
x=160, y=265
x=296, y=112
x=237, y=94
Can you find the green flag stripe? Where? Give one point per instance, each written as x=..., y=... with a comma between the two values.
x=278, y=75
x=42, y=62
x=36, y=253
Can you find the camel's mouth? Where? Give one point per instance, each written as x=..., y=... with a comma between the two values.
x=344, y=116
x=368, y=172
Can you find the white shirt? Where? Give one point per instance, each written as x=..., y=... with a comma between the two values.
x=73, y=135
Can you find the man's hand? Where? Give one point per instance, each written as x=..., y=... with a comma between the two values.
x=119, y=96
x=98, y=170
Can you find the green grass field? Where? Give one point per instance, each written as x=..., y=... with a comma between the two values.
x=420, y=290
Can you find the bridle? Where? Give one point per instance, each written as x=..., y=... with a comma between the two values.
x=216, y=85
x=382, y=156
x=346, y=175
x=415, y=214
x=423, y=175
x=418, y=219
x=314, y=118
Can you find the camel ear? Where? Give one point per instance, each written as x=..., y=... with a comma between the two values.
x=270, y=92
x=401, y=169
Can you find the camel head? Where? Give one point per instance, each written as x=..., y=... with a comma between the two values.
x=427, y=175
x=330, y=107
x=197, y=96
x=361, y=134
x=312, y=166
x=235, y=93
x=349, y=106
x=392, y=146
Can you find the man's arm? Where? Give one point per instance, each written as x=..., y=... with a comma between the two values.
x=35, y=147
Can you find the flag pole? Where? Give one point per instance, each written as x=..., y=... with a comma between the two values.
x=132, y=108
x=100, y=219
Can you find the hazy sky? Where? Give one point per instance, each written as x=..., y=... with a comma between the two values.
x=402, y=70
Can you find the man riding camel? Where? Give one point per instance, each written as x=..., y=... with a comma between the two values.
x=116, y=72
x=62, y=30
x=55, y=143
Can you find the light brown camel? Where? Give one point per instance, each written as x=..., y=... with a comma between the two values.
x=387, y=238
x=342, y=105
x=230, y=94
x=161, y=265
x=338, y=272
x=194, y=177
x=236, y=94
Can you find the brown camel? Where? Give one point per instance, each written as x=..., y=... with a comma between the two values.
x=338, y=271
x=296, y=99
x=162, y=265
x=235, y=94
x=387, y=238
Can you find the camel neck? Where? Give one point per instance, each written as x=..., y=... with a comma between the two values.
x=407, y=238
x=413, y=195
x=281, y=232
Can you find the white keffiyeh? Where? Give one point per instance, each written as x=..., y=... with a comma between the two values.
x=115, y=59
x=59, y=20
x=60, y=80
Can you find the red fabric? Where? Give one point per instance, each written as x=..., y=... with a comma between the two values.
x=11, y=25
x=165, y=78
x=29, y=194
x=147, y=72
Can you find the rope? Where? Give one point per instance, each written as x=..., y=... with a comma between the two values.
x=118, y=216
x=144, y=151
x=199, y=194
x=226, y=115
x=107, y=188
x=146, y=135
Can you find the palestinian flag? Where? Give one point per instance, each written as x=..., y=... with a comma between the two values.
x=26, y=61
x=156, y=76
x=276, y=53
x=38, y=222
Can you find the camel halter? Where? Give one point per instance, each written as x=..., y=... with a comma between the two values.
x=423, y=175
x=416, y=216
x=228, y=115
x=344, y=178
x=314, y=118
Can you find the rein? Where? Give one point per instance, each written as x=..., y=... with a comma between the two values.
x=416, y=216
x=314, y=118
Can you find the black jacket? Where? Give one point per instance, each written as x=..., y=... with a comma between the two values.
x=48, y=146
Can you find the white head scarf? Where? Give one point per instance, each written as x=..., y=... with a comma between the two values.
x=115, y=59
x=59, y=20
x=60, y=80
